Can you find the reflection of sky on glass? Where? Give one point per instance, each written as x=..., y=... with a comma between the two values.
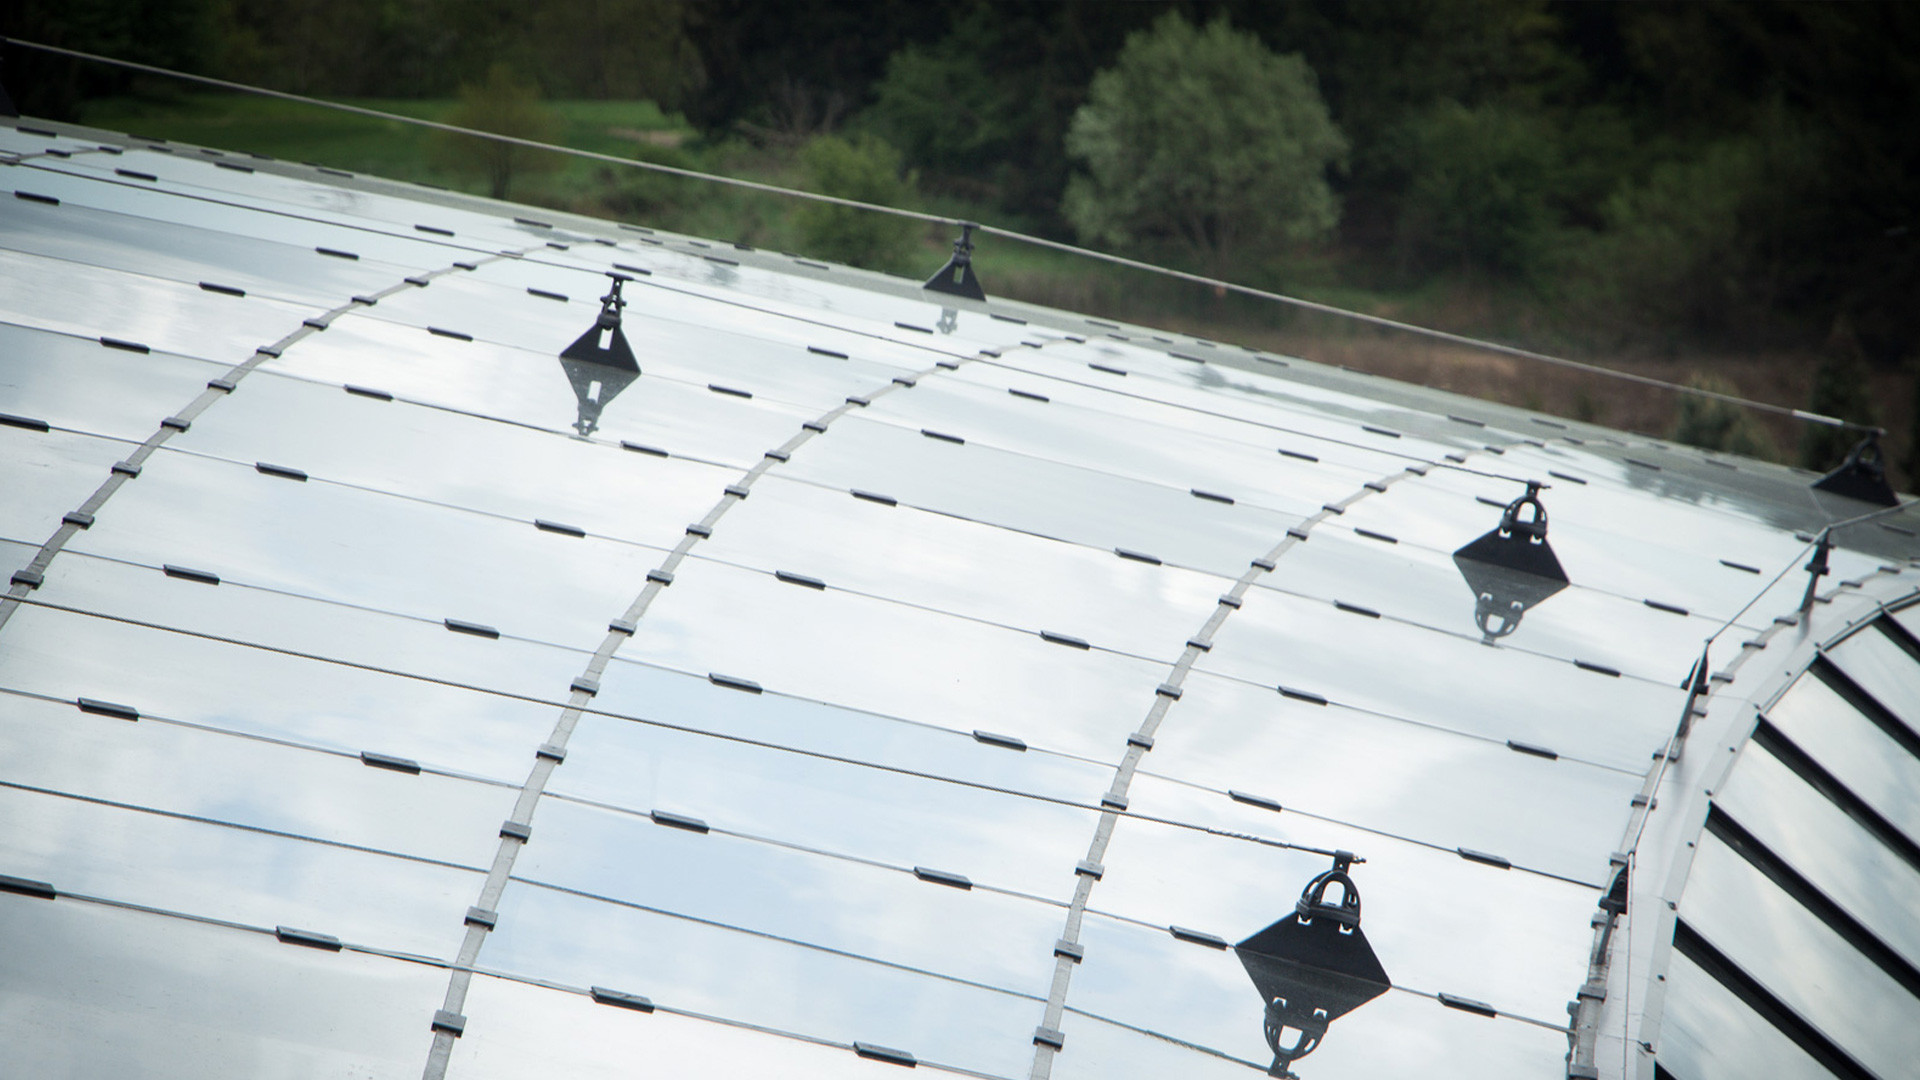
x=889, y=658
x=68, y=656
x=1420, y=783
x=974, y=934
x=1461, y=685
x=1865, y=759
x=55, y=295
x=511, y=1026
x=74, y=383
x=1865, y=877
x=581, y=942
x=1438, y=922
x=46, y=474
x=329, y=631
x=1801, y=960
x=148, y=996
x=1885, y=670
x=350, y=546
x=995, y=839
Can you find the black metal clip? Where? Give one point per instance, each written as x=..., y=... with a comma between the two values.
x=957, y=277
x=1863, y=475
x=1313, y=903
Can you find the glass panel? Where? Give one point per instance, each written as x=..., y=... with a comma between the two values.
x=1801, y=961
x=1706, y=1033
x=766, y=888
x=1418, y=783
x=252, y=782
x=693, y=704
x=13, y=556
x=1037, y=496
x=1632, y=546
x=697, y=354
x=1817, y=839
x=524, y=387
x=239, y=875
x=1270, y=432
x=681, y=290
x=310, y=628
x=351, y=546
x=1184, y=993
x=22, y=142
x=946, y=563
x=1752, y=509
x=75, y=383
x=515, y=1031
x=165, y=315
x=1908, y=617
x=1417, y=584
x=460, y=460
x=1155, y=453
x=724, y=972
x=45, y=474
x=1437, y=921
x=228, y=215
x=1854, y=749
x=189, y=254
x=845, y=649
x=1227, y=392
x=261, y=692
x=1005, y=840
x=1463, y=686
x=1877, y=663
x=96, y=991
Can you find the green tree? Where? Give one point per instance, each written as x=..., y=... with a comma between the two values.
x=1203, y=141
x=868, y=169
x=1482, y=187
x=1720, y=425
x=509, y=105
x=1840, y=390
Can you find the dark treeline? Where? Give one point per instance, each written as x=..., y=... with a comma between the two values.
x=1744, y=175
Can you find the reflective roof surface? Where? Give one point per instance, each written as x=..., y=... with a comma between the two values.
x=875, y=679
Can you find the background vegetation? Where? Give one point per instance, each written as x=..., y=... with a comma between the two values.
x=1711, y=190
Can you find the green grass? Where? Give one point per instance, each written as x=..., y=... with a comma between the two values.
x=388, y=148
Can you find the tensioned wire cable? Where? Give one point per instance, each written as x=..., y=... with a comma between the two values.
x=991, y=230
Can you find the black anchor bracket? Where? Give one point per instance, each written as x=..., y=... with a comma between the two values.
x=1863, y=475
x=957, y=277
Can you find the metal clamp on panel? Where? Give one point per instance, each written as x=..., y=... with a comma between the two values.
x=957, y=277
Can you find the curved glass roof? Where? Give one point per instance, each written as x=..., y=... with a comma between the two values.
x=873, y=679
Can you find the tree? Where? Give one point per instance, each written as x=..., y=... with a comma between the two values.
x=1841, y=390
x=1203, y=141
x=509, y=105
x=867, y=169
x=1720, y=425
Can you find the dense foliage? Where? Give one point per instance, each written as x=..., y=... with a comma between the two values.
x=1656, y=177
x=1178, y=96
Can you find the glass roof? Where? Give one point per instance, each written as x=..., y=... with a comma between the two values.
x=864, y=681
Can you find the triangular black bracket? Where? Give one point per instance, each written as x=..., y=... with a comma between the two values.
x=957, y=277
x=605, y=344
x=1518, y=543
x=600, y=364
x=1863, y=475
x=1312, y=967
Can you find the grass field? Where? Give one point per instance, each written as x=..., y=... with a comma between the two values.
x=388, y=148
